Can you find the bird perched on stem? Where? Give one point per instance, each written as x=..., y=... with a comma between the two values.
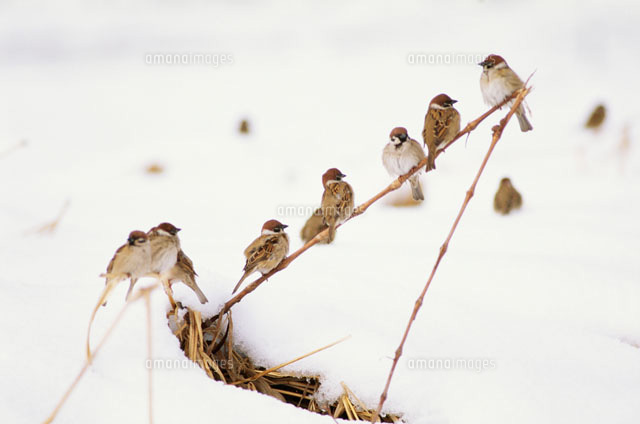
x=267, y=251
x=314, y=225
x=183, y=271
x=165, y=246
x=337, y=200
x=507, y=198
x=441, y=125
x=131, y=261
x=497, y=82
x=400, y=155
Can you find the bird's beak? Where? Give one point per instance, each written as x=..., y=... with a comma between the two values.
x=178, y=229
x=484, y=62
x=453, y=101
x=284, y=226
x=342, y=175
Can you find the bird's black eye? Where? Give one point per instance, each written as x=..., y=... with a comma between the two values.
x=489, y=65
x=277, y=230
x=402, y=137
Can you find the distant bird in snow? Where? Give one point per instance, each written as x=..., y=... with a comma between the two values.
x=507, y=198
x=597, y=117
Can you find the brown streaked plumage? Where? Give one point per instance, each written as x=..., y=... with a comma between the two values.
x=267, y=251
x=441, y=125
x=314, y=225
x=337, y=200
x=507, y=198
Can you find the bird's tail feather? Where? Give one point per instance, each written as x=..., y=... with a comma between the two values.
x=244, y=276
x=201, y=297
x=416, y=189
x=332, y=232
x=525, y=125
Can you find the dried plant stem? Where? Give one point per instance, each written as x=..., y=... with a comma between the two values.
x=147, y=304
x=86, y=365
x=17, y=146
x=51, y=226
x=277, y=367
x=497, y=133
x=396, y=184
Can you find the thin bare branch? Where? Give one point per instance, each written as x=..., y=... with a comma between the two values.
x=497, y=133
x=51, y=226
x=147, y=304
x=17, y=146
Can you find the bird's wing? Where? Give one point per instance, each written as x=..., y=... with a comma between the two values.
x=113, y=260
x=186, y=263
x=260, y=250
x=441, y=124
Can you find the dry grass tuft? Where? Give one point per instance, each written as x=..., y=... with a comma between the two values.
x=210, y=345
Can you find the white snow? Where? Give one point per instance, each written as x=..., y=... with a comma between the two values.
x=542, y=305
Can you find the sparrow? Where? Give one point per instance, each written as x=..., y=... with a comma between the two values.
x=499, y=81
x=441, y=125
x=400, y=155
x=165, y=246
x=183, y=271
x=314, y=225
x=267, y=251
x=337, y=200
x=132, y=260
x=507, y=198
x=596, y=118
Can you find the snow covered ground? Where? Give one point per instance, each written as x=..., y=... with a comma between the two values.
x=542, y=305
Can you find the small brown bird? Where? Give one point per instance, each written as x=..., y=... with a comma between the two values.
x=441, y=125
x=314, y=225
x=183, y=271
x=507, y=198
x=400, y=155
x=337, y=200
x=243, y=128
x=165, y=246
x=267, y=251
x=596, y=118
x=499, y=81
x=132, y=260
